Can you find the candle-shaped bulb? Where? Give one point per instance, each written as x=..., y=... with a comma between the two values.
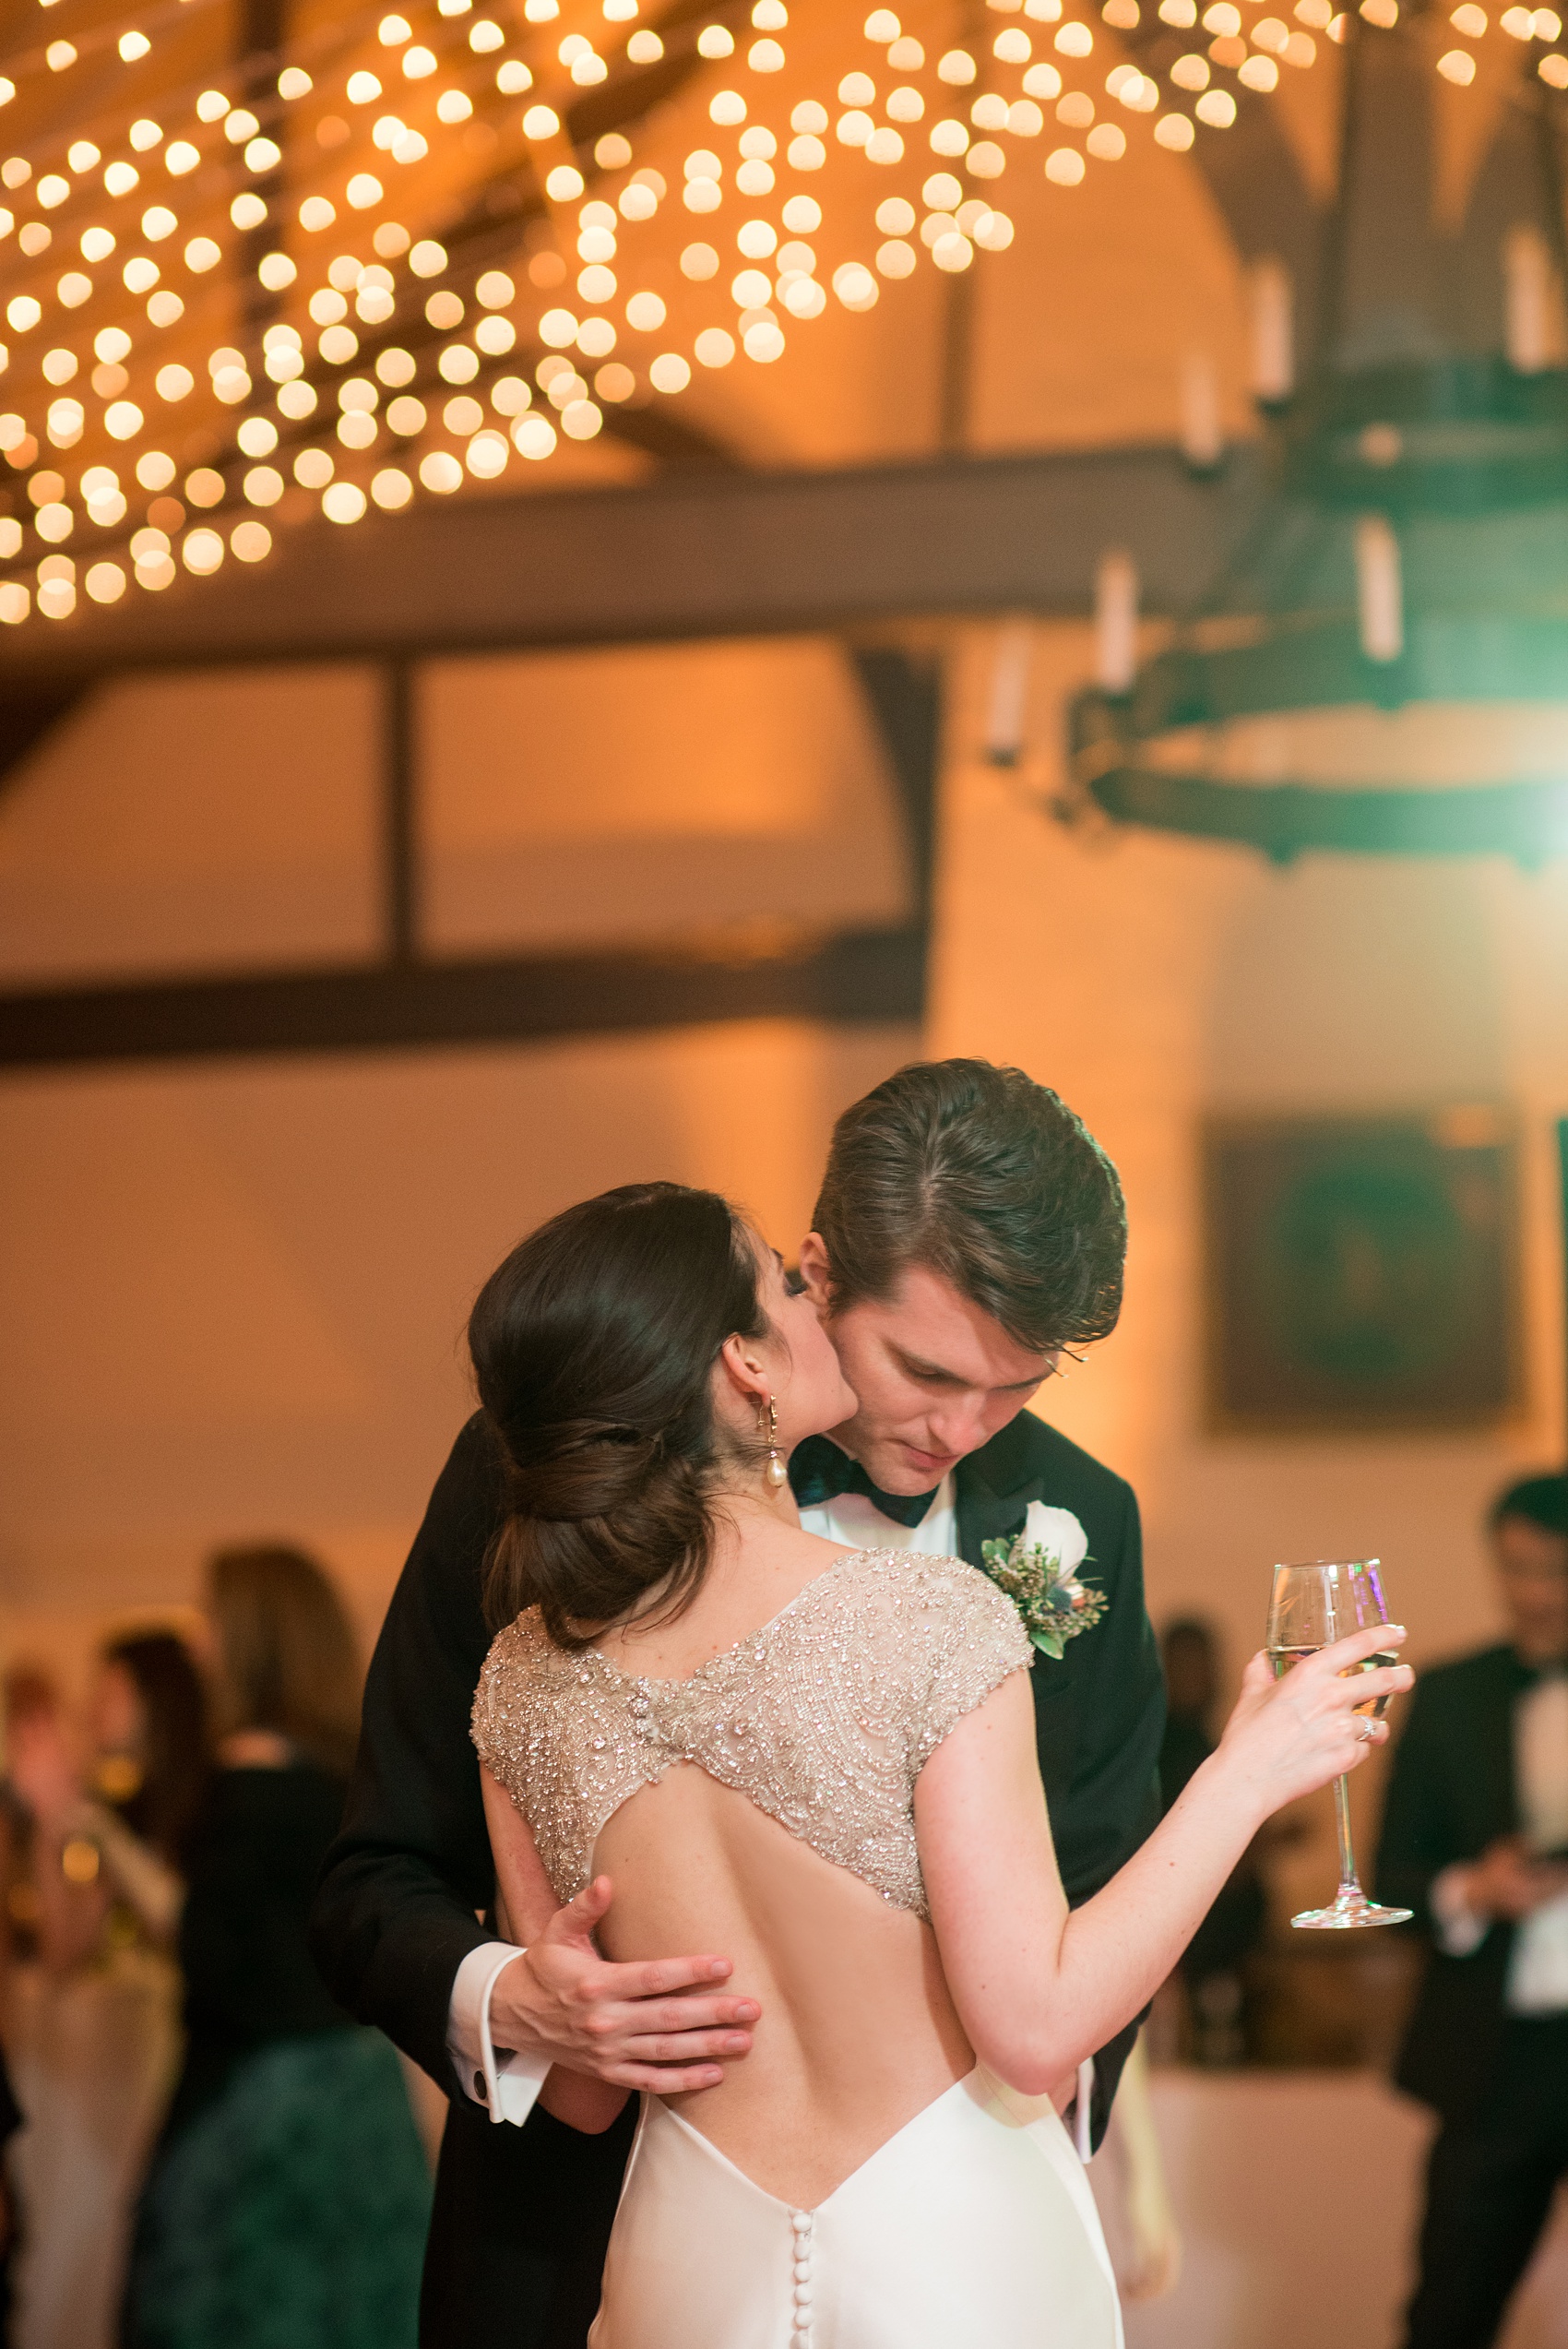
x=1115, y=622
x=1527, y=299
x=1380, y=596
x=1009, y=693
x=1202, y=442
x=1274, y=331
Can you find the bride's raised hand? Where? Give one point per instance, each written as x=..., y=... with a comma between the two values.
x=1286, y=1738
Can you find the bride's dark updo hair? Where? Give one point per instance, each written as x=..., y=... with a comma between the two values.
x=594, y=1344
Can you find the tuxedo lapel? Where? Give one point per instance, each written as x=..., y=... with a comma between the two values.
x=994, y=1488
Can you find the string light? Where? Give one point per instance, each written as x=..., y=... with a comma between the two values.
x=186, y=228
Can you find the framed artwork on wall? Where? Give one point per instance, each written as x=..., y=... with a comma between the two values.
x=1362, y=1272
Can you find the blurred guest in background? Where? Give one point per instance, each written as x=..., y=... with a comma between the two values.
x=1475, y=1841
x=287, y=2202
x=106, y=1809
x=1211, y=1968
x=1129, y=2182
x=111, y=1824
x=10, y=2122
x=13, y=1835
x=1188, y=1654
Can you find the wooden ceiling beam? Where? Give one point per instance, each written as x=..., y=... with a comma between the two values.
x=681, y=557
x=756, y=974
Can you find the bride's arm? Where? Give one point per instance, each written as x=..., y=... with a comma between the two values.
x=1037, y=1987
x=526, y=1902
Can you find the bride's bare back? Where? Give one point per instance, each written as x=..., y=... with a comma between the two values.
x=744, y=1776
x=858, y=2033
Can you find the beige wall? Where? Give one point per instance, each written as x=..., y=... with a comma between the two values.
x=232, y=1293
x=230, y=818
x=1151, y=981
x=233, y=1297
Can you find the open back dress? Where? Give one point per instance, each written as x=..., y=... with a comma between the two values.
x=974, y=2222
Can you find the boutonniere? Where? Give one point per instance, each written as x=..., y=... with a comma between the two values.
x=1039, y=1571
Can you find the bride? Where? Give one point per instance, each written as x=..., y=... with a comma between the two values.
x=861, y=1825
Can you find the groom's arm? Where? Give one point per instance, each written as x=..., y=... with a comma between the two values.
x=1111, y=1803
x=399, y=1905
x=398, y=1910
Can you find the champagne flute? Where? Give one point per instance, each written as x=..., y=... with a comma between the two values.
x=1310, y=1607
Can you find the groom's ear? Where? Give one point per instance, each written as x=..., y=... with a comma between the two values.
x=816, y=1277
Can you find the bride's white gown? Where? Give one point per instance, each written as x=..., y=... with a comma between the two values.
x=974, y=2225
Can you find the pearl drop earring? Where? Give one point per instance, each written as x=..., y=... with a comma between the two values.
x=776, y=1475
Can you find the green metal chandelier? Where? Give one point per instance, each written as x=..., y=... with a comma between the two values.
x=1382, y=665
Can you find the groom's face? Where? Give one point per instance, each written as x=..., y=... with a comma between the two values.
x=935, y=1377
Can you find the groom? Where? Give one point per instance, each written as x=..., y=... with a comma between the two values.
x=969, y=1232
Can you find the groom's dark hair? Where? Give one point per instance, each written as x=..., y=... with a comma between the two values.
x=981, y=1176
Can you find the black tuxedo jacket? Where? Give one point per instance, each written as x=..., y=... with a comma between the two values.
x=1451, y=1793
x=521, y=2215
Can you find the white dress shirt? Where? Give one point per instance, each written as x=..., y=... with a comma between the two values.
x=852, y=1518
x=1537, y=1965
x=508, y=2081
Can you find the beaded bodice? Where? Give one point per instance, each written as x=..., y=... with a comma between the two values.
x=824, y=1718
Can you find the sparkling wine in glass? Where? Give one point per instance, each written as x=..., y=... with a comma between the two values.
x=1310, y=1606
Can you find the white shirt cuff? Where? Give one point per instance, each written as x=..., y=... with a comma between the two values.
x=1457, y=1931
x=506, y=2081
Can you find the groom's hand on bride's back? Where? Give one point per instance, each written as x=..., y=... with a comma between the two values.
x=662, y=2023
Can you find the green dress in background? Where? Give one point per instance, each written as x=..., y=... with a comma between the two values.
x=287, y=2202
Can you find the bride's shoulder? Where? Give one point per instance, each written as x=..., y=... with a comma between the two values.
x=521, y=1650
x=933, y=1591
x=522, y=1664
x=936, y=1636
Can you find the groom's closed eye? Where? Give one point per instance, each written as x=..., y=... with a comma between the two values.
x=932, y=1373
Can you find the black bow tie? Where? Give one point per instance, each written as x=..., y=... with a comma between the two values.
x=819, y=1471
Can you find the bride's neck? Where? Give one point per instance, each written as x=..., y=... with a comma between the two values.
x=744, y=1521
x=742, y=1511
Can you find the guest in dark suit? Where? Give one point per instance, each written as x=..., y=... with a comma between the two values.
x=969, y=1231
x=1475, y=1841
x=1211, y=1966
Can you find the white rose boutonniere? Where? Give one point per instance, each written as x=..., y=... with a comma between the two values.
x=1039, y=1571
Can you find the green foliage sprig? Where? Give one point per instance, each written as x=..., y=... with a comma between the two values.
x=1054, y=1605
